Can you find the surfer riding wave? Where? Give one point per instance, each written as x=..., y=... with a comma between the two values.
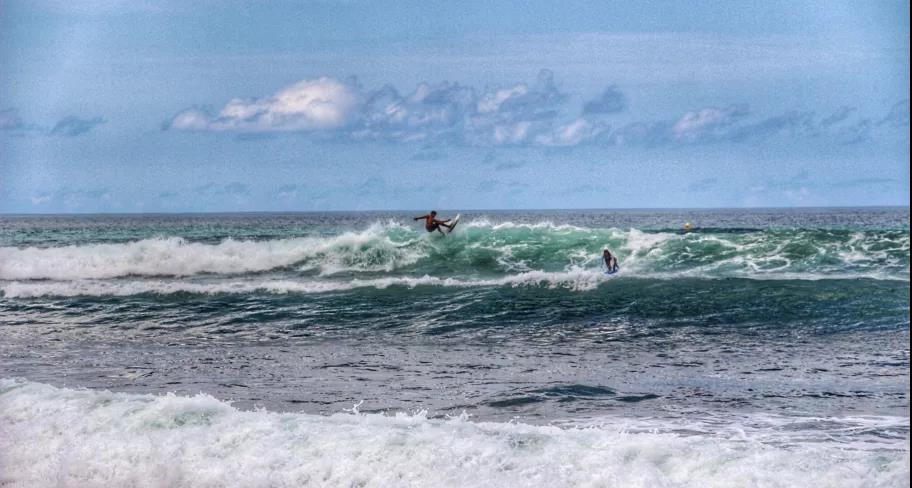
x=431, y=223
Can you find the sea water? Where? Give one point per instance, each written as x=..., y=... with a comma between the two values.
x=762, y=348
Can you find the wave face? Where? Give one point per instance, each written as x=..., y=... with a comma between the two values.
x=482, y=253
x=839, y=271
x=369, y=250
x=727, y=356
x=113, y=439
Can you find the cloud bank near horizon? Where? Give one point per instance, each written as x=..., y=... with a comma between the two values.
x=522, y=114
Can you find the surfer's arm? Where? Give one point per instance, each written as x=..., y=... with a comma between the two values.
x=419, y=218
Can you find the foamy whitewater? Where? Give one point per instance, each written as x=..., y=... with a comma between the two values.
x=762, y=348
x=109, y=439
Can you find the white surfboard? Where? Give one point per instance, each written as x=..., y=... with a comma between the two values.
x=453, y=223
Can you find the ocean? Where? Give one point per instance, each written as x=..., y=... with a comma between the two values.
x=764, y=348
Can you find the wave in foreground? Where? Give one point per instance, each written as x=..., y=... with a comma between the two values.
x=481, y=249
x=576, y=280
x=72, y=437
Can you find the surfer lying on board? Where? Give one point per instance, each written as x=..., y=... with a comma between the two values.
x=431, y=223
x=611, y=262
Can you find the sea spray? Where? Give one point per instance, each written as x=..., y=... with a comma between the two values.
x=760, y=348
x=89, y=438
x=481, y=250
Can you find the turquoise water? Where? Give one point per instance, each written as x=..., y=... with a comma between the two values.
x=789, y=328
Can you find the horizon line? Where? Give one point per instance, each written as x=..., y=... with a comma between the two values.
x=586, y=209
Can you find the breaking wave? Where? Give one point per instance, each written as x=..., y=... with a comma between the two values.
x=481, y=252
x=91, y=438
x=577, y=281
x=369, y=250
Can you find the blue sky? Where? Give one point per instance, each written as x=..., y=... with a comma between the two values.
x=133, y=106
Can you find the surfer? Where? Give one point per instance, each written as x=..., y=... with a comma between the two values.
x=611, y=262
x=431, y=223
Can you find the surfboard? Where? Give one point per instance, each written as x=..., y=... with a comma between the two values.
x=606, y=271
x=453, y=223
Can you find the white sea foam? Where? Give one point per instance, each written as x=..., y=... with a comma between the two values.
x=483, y=223
x=483, y=248
x=84, y=438
x=368, y=250
x=578, y=280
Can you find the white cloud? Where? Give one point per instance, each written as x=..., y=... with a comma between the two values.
x=444, y=111
x=511, y=134
x=309, y=105
x=491, y=102
x=190, y=119
x=533, y=114
x=694, y=125
x=572, y=134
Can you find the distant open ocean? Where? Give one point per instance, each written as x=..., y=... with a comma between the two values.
x=765, y=348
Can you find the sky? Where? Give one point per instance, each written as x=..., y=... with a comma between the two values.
x=174, y=106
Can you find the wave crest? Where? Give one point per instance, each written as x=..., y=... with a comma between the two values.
x=101, y=438
x=481, y=249
x=369, y=250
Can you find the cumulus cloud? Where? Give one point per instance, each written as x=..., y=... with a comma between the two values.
x=309, y=105
x=610, y=101
x=516, y=115
x=73, y=126
x=439, y=112
x=524, y=102
x=732, y=125
x=190, y=119
x=430, y=112
x=573, y=133
x=708, y=123
x=519, y=114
